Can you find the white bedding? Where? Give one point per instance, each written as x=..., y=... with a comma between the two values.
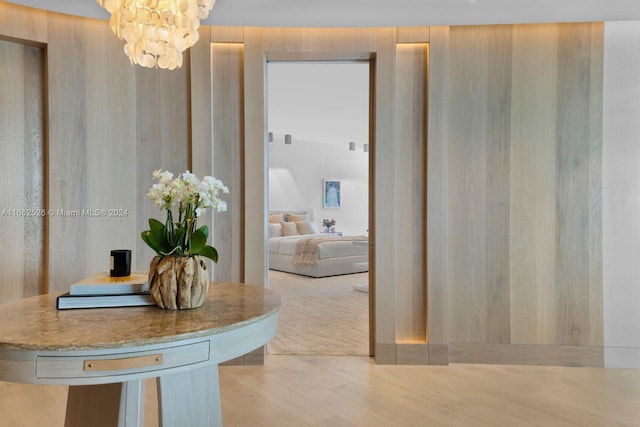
x=335, y=257
x=333, y=249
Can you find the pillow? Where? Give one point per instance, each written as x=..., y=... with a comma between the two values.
x=275, y=230
x=276, y=218
x=296, y=218
x=304, y=227
x=289, y=228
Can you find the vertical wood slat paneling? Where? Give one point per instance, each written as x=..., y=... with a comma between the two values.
x=67, y=151
x=21, y=170
x=384, y=200
x=467, y=184
x=541, y=183
x=227, y=63
x=34, y=170
x=532, y=178
x=438, y=189
x=201, y=126
x=94, y=125
x=92, y=131
x=162, y=138
x=255, y=155
x=110, y=149
x=572, y=183
x=111, y=124
x=411, y=93
x=596, y=107
x=497, y=226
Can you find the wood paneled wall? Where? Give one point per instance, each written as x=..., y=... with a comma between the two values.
x=111, y=124
x=22, y=169
x=490, y=190
x=410, y=170
x=227, y=65
x=108, y=126
x=524, y=202
x=437, y=194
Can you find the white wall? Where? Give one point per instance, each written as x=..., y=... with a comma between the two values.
x=296, y=173
x=323, y=106
x=621, y=194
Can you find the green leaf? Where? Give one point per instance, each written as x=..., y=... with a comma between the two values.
x=198, y=241
x=205, y=230
x=156, y=237
x=149, y=238
x=209, y=252
x=156, y=226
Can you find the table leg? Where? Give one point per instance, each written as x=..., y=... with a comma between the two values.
x=117, y=404
x=132, y=404
x=190, y=398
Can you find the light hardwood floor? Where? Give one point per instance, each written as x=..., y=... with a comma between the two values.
x=353, y=391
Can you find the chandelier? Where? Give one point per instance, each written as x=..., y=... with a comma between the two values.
x=156, y=32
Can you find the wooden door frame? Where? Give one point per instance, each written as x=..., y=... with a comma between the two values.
x=342, y=57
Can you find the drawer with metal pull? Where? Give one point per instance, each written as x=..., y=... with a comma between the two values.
x=84, y=366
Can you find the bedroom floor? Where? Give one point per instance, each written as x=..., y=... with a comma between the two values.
x=321, y=316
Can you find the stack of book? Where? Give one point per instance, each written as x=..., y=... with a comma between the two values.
x=102, y=290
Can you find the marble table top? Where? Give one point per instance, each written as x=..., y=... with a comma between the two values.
x=35, y=324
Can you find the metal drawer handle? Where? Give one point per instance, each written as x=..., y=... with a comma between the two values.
x=120, y=364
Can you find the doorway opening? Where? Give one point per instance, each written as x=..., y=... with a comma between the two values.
x=319, y=176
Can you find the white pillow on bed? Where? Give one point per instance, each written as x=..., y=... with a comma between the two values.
x=305, y=227
x=289, y=229
x=275, y=230
x=276, y=218
x=297, y=217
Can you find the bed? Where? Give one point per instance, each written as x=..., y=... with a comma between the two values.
x=297, y=246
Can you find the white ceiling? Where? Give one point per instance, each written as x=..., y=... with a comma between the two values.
x=319, y=102
x=358, y=13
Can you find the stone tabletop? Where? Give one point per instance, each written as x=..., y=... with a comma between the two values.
x=35, y=323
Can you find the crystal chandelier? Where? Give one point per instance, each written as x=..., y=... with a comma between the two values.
x=156, y=32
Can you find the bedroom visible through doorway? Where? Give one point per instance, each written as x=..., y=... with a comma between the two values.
x=318, y=172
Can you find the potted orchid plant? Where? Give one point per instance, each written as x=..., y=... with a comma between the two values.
x=177, y=274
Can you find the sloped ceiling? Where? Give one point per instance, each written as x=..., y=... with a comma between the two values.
x=361, y=13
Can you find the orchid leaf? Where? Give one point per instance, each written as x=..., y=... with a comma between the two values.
x=158, y=245
x=209, y=252
x=198, y=240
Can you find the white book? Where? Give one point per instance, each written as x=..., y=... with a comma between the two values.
x=104, y=284
x=67, y=301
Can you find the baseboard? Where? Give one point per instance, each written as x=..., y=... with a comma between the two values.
x=385, y=354
x=438, y=354
x=412, y=354
x=523, y=354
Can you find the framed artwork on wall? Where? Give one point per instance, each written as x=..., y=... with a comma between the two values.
x=331, y=194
